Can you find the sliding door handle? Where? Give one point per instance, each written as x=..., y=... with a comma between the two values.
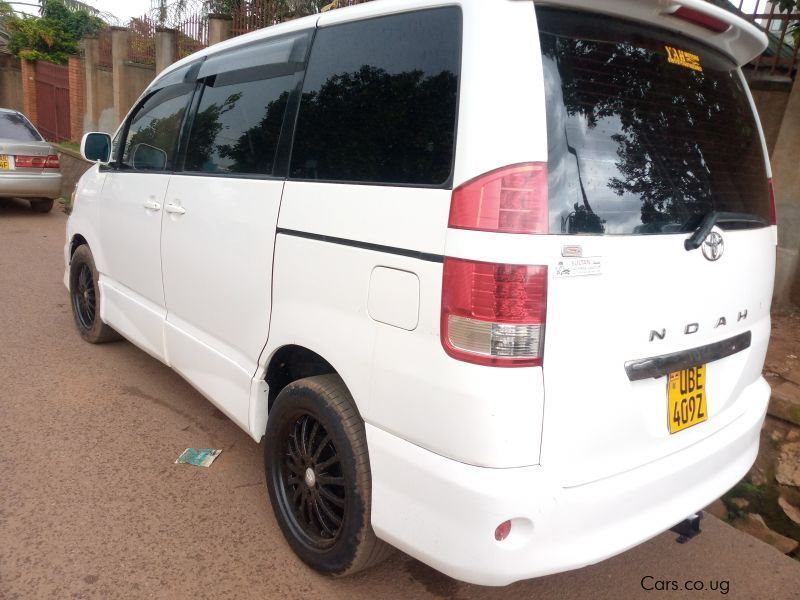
x=175, y=209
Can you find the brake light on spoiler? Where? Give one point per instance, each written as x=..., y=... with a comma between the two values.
x=699, y=18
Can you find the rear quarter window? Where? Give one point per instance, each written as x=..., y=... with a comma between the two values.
x=379, y=101
x=648, y=131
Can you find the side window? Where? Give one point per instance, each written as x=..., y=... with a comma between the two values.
x=151, y=140
x=237, y=125
x=244, y=97
x=379, y=100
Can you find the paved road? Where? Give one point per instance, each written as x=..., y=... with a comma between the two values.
x=92, y=506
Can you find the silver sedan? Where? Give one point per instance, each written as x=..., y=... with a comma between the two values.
x=29, y=166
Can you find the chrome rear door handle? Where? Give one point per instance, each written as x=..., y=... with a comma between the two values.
x=152, y=205
x=175, y=209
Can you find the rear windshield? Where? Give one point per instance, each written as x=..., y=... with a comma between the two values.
x=13, y=126
x=648, y=131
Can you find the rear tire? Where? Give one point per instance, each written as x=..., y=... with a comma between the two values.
x=318, y=476
x=43, y=205
x=85, y=298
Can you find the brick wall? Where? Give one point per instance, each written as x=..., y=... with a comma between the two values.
x=29, y=91
x=77, y=97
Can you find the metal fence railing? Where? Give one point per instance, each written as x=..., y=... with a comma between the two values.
x=250, y=15
x=192, y=34
x=142, y=41
x=783, y=29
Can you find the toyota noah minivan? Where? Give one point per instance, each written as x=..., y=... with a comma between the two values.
x=490, y=279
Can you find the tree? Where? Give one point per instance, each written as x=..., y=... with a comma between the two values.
x=791, y=6
x=54, y=35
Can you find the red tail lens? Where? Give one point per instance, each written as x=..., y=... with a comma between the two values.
x=29, y=162
x=508, y=200
x=52, y=162
x=493, y=314
x=702, y=19
x=773, y=213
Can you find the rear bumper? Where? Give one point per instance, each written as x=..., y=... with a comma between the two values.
x=42, y=185
x=445, y=513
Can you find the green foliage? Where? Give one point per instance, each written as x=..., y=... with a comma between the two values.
x=54, y=35
x=789, y=5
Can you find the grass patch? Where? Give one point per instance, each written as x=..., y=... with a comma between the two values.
x=69, y=146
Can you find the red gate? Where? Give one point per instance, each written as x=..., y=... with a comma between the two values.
x=52, y=101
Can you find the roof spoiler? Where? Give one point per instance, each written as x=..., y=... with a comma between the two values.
x=717, y=27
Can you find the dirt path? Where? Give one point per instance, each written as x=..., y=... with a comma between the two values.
x=92, y=506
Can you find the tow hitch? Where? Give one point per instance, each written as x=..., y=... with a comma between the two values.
x=688, y=528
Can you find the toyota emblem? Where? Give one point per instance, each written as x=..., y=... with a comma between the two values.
x=713, y=246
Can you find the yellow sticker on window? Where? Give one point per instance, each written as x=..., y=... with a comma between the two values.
x=683, y=58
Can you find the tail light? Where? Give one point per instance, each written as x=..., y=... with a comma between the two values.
x=701, y=19
x=36, y=162
x=508, y=200
x=29, y=162
x=493, y=314
x=773, y=213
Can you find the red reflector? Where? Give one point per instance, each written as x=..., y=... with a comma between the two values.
x=508, y=200
x=702, y=19
x=773, y=213
x=52, y=162
x=29, y=162
x=502, y=531
x=493, y=314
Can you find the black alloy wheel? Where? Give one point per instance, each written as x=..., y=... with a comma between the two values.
x=84, y=298
x=318, y=476
x=312, y=482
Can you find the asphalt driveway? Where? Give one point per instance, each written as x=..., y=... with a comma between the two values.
x=92, y=506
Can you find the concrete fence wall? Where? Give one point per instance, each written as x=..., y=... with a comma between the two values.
x=10, y=82
x=102, y=96
x=771, y=105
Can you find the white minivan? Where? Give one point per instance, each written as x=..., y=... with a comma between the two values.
x=490, y=278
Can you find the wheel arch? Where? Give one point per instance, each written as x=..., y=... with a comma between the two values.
x=290, y=363
x=75, y=242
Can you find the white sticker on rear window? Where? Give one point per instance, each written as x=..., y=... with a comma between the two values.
x=579, y=267
x=683, y=58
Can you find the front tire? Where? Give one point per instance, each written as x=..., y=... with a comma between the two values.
x=42, y=205
x=318, y=476
x=84, y=294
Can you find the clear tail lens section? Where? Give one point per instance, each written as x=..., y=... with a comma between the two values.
x=508, y=200
x=494, y=314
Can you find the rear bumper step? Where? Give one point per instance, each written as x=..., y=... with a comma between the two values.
x=657, y=366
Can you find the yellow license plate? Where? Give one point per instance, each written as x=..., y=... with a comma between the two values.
x=4, y=162
x=686, y=398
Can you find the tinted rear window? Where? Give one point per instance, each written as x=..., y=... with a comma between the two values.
x=648, y=131
x=14, y=126
x=379, y=100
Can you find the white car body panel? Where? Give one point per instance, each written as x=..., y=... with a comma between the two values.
x=217, y=265
x=131, y=266
x=353, y=273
